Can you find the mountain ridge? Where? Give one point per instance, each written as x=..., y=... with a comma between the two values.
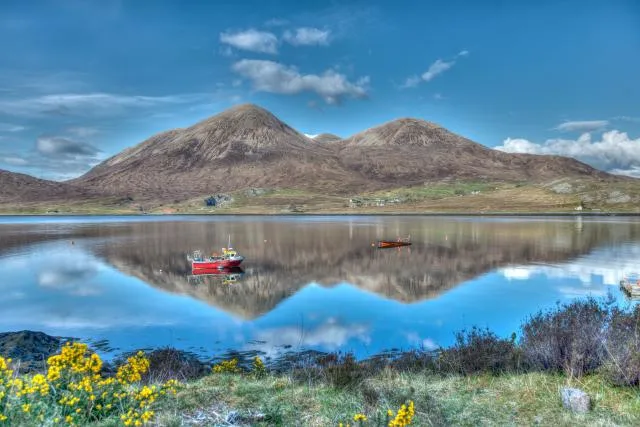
x=247, y=146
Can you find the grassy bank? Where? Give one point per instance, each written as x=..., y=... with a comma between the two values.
x=479, y=399
x=431, y=198
x=481, y=380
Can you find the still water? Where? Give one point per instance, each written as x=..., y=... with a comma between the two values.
x=308, y=282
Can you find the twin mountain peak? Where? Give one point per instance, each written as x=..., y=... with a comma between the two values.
x=247, y=146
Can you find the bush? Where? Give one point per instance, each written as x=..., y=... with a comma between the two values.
x=342, y=371
x=569, y=338
x=172, y=364
x=622, y=346
x=479, y=350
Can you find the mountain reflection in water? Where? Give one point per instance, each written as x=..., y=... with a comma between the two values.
x=312, y=282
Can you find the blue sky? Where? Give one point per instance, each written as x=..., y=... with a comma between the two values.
x=82, y=80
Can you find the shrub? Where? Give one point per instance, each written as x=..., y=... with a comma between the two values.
x=569, y=338
x=342, y=371
x=172, y=364
x=622, y=346
x=478, y=350
x=73, y=391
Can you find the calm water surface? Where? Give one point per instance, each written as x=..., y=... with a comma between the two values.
x=308, y=282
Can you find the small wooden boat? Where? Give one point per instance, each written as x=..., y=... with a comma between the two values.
x=631, y=285
x=382, y=244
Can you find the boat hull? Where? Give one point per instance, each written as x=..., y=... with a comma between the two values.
x=218, y=271
x=216, y=264
x=390, y=244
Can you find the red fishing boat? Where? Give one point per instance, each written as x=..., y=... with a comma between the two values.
x=228, y=259
x=382, y=244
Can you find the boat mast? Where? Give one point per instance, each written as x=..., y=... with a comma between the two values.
x=229, y=246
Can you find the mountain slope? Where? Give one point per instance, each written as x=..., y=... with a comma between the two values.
x=326, y=137
x=18, y=188
x=245, y=146
x=411, y=151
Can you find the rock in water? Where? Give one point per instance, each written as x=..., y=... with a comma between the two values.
x=30, y=348
x=575, y=400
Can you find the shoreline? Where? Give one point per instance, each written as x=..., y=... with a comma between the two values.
x=338, y=214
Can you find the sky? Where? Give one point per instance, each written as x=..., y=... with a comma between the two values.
x=81, y=80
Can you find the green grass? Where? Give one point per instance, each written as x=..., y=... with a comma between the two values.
x=514, y=399
x=432, y=191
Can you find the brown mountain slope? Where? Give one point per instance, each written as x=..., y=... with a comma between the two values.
x=17, y=187
x=245, y=146
x=411, y=151
x=326, y=137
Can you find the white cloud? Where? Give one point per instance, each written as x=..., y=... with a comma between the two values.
x=270, y=76
x=412, y=81
x=615, y=151
x=8, y=127
x=14, y=161
x=582, y=126
x=251, y=40
x=276, y=22
x=627, y=119
x=53, y=146
x=88, y=103
x=606, y=266
x=307, y=36
x=328, y=336
x=308, y=135
x=438, y=67
x=438, y=96
x=82, y=132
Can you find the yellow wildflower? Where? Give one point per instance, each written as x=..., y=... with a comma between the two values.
x=404, y=417
x=26, y=407
x=230, y=366
x=359, y=417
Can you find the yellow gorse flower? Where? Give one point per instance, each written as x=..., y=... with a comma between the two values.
x=404, y=417
x=133, y=370
x=74, y=389
x=230, y=366
x=359, y=417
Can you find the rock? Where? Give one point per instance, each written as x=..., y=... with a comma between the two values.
x=562, y=188
x=233, y=418
x=253, y=192
x=29, y=348
x=618, y=197
x=575, y=400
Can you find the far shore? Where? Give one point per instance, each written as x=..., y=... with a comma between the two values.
x=334, y=214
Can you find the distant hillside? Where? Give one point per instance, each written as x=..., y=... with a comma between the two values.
x=17, y=187
x=248, y=147
x=326, y=137
x=411, y=151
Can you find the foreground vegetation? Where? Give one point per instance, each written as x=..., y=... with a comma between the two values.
x=481, y=380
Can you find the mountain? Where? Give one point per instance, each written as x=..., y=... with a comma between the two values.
x=17, y=188
x=326, y=137
x=245, y=146
x=410, y=151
